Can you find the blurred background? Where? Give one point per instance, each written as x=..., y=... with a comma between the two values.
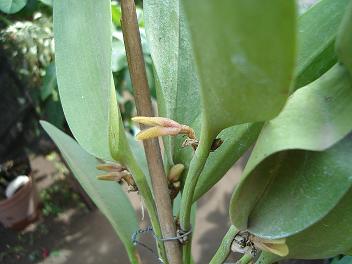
x=63, y=224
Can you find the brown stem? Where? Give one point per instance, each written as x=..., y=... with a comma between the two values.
x=151, y=147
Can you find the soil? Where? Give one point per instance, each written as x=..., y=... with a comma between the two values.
x=68, y=232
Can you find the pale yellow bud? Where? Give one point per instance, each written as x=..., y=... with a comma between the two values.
x=161, y=126
x=175, y=172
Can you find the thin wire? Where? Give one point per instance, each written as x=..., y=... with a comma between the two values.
x=182, y=237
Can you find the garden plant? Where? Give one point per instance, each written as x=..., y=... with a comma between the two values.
x=229, y=75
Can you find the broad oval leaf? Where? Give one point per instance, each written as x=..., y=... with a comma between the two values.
x=108, y=196
x=328, y=237
x=304, y=186
x=315, y=118
x=83, y=65
x=317, y=30
x=314, y=57
x=344, y=39
x=325, y=239
x=12, y=6
x=246, y=66
x=183, y=102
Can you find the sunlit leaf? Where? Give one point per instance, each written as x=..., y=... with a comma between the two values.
x=108, y=196
x=83, y=65
x=12, y=6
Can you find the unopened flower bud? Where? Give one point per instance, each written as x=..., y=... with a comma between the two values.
x=161, y=126
x=175, y=172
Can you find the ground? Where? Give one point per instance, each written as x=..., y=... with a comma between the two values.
x=69, y=232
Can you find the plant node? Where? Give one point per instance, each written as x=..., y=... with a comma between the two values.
x=246, y=243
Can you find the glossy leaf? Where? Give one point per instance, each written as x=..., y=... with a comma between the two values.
x=12, y=6
x=344, y=39
x=317, y=30
x=108, y=196
x=246, y=66
x=315, y=118
x=83, y=65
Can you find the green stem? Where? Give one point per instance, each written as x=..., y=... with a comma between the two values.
x=267, y=258
x=225, y=247
x=146, y=193
x=196, y=166
x=6, y=21
x=245, y=259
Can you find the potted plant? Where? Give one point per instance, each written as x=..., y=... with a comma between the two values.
x=18, y=194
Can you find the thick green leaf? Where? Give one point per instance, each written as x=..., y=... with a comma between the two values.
x=246, y=65
x=47, y=2
x=177, y=82
x=317, y=29
x=313, y=59
x=315, y=117
x=83, y=66
x=344, y=39
x=304, y=187
x=330, y=236
x=186, y=104
x=162, y=30
x=343, y=260
x=237, y=140
x=108, y=196
x=12, y=6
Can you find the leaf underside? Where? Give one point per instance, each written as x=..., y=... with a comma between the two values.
x=108, y=196
x=83, y=69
